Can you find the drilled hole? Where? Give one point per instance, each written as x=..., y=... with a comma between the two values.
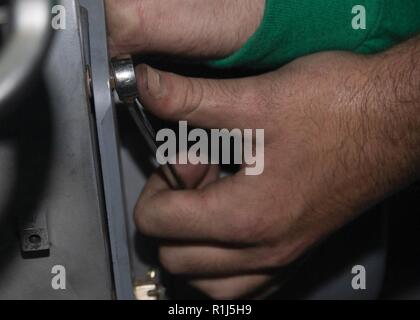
x=35, y=239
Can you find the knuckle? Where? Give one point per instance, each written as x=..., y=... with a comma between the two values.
x=180, y=100
x=192, y=98
x=141, y=220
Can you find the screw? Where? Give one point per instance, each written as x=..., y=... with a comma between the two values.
x=35, y=239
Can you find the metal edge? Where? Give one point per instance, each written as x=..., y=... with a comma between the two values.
x=108, y=140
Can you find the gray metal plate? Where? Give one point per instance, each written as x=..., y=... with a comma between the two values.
x=47, y=166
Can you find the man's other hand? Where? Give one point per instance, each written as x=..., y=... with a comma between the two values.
x=192, y=28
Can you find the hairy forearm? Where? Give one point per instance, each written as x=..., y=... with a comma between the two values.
x=396, y=89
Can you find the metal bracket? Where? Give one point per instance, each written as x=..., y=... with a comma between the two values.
x=34, y=236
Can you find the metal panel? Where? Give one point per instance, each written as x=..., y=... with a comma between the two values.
x=109, y=149
x=47, y=167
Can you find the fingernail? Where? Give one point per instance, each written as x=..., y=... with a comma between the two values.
x=154, y=83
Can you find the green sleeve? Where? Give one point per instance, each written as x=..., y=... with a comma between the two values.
x=294, y=28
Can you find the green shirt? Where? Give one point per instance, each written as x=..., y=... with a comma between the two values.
x=294, y=28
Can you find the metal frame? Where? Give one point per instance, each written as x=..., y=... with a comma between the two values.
x=109, y=149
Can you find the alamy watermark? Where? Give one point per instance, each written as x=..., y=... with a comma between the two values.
x=217, y=146
x=359, y=20
x=58, y=21
x=358, y=281
x=58, y=281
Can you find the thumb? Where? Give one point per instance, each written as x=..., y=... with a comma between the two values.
x=234, y=103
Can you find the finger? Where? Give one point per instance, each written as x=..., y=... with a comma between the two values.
x=194, y=176
x=248, y=286
x=197, y=28
x=206, y=261
x=191, y=175
x=215, y=213
x=237, y=103
x=124, y=19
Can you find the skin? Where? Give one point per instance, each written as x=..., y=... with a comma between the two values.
x=194, y=28
x=342, y=132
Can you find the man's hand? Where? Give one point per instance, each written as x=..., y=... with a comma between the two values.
x=342, y=131
x=193, y=28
